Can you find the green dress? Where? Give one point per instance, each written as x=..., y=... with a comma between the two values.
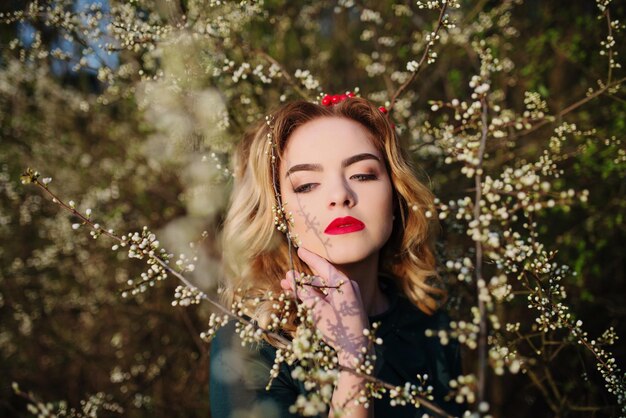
x=239, y=375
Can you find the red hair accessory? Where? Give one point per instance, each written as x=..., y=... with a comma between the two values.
x=329, y=100
x=333, y=99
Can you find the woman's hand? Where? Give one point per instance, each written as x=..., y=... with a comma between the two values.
x=339, y=314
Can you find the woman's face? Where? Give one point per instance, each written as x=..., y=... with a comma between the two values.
x=331, y=170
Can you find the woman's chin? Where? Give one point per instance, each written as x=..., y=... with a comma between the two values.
x=343, y=257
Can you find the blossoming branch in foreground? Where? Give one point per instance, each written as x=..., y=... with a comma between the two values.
x=322, y=370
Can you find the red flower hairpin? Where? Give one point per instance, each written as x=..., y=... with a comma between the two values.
x=333, y=99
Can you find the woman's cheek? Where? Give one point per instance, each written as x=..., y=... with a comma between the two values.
x=299, y=219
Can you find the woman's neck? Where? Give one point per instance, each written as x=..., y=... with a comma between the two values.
x=365, y=273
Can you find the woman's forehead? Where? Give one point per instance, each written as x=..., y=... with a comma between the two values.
x=329, y=137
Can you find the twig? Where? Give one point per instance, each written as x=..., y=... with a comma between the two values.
x=572, y=107
x=546, y=395
x=389, y=386
x=609, y=76
x=482, y=337
x=404, y=85
x=284, y=72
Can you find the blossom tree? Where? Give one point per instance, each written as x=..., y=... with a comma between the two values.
x=133, y=109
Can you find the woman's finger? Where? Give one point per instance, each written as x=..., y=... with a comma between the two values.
x=290, y=277
x=319, y=265
x=310, y=288
x=318, y=285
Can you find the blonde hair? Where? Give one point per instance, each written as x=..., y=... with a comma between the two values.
x=256, y=254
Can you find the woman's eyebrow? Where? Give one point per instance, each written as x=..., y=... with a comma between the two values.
x=303, y=167
x=345, y=163
x=359, y=157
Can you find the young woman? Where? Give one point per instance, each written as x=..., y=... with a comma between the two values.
x=359, y=220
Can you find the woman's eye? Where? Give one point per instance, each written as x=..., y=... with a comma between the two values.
x=304, y=188
x=309, y=186
x=365, y=177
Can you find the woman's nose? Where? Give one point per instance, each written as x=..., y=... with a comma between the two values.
x=341, y=194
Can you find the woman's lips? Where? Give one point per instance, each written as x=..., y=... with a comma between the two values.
x=344, y=226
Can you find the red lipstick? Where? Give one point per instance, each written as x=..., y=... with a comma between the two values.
x=344, y=226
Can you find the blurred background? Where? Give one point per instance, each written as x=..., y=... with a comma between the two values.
x=133, y=108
